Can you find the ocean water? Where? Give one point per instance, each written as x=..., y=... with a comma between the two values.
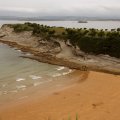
x=17, y=74
x=20, y=75
x=74, y=24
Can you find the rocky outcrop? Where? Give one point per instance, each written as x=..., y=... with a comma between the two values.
x=58, y=53
x=2, y=35
x=27, y=39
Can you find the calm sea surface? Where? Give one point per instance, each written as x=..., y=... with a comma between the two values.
x=75, y=24
x=18, y=74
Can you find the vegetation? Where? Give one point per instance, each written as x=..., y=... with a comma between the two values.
x=39, y=30
x=22, y=27
x=95, y=41
x=92, y=41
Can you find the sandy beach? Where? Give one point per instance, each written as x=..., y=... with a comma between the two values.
x=92, y=95
x=95, y=97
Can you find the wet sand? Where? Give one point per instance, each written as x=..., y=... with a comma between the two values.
x=95, y=97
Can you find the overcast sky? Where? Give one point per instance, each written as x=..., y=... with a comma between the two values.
x=93, y=8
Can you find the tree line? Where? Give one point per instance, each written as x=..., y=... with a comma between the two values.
x=92, y=41
x=96, y=41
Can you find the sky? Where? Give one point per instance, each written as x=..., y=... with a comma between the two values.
x=89, y=8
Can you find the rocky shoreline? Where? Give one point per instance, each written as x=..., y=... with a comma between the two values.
x=45, y=57
x=93, y=63
x=49, y=58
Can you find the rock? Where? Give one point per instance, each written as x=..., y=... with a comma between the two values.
x=2, y=35
x=79, y=53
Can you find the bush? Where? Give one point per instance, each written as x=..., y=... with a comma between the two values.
x=88, y=40
x=96, y=41
x=22, y=27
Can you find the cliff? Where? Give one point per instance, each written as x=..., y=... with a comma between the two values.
x=60, y=53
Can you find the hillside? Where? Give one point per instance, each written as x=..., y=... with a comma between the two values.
x=49, y=44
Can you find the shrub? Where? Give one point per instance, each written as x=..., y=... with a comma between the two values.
x=88, y=40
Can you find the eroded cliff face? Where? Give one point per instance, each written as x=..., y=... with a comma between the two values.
x=57, y=52
x=26, y=39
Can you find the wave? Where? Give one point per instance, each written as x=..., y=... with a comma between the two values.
x=60, y=68
x=65, y=73
x=19, y=50
x=56, y=75
x=21, y=87
x=34, y=77
x=20, y=79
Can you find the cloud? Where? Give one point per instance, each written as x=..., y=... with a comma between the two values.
x=17, y=9
x=61, y=7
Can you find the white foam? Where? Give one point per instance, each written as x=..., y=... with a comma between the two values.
x=66, y=73
x=56, y=75
x=60, y=68
x=28, y=54
x=19, y=50
x=20, y=79
x=70, y=71
x=21, y=87
x=35, y=77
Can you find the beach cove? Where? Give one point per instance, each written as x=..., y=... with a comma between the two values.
x=94, y=98
x=63, y=92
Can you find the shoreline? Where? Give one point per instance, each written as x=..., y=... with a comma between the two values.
x=51, y=59
x=57, y=52
x=95, y=98
x=58, y=84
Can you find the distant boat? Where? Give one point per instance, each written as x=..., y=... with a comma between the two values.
x=82, y=21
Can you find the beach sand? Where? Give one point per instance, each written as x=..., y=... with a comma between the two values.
x=95, y=97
